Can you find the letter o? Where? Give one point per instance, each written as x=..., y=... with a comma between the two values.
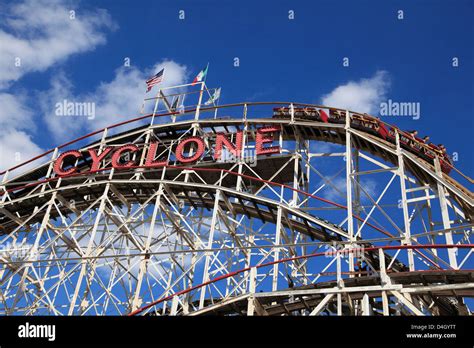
x=180, y=148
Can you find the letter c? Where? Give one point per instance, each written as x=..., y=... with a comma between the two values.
x=58, y=164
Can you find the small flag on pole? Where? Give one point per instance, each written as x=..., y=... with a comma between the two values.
x=214, y=97
x=174, y=107
x=201, y=76
x=154, y=80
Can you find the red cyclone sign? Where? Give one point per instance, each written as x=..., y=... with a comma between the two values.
x=263, y=146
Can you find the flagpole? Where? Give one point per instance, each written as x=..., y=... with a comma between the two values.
x=173, y=115
x=182, y=103
x=157, y=102
x=216, y=105
x=155, y=108
x=207, y=70
x=198, y=108
x=142, y=110
x=205, y=76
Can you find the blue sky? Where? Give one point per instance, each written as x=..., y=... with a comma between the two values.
x=301, y=60
x=280, y=59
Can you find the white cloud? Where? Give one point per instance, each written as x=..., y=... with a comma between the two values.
x=338, y=191
x=14, y=113
x=121, y=98
x=115, y=101
x=16, y=147
x=364, y=95
x=42, y=33
x=61, y=88
x=325, y=147
x=39, y=34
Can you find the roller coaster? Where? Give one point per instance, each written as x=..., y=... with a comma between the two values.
x=253, y=208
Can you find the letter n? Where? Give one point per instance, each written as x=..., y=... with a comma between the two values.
x=222, y=140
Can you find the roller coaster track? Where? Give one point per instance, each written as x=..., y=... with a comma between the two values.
x=306, y=295
x=77, y=227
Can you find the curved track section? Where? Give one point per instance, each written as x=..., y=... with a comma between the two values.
x=313, y=217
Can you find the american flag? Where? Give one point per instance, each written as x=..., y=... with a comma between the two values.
x=154, y=80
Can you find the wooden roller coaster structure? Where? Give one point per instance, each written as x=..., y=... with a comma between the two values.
x=350, y=216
